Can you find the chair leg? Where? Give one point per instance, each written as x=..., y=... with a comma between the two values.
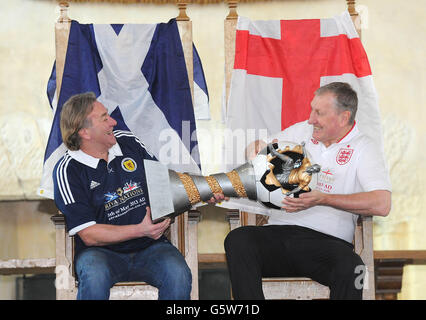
x=233, y=216
x=194, y=216
x=368, y=257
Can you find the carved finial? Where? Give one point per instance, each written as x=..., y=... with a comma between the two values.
x=351, y=7
x=181, y=4
x=233, y=15
x=63, y=9
x=356, y=18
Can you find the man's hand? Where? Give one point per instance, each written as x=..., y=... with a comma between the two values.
x=151, y=230
x=375, y=203
x=305, y=201
x=106, y=234
x=217, y=198
x=255, y=147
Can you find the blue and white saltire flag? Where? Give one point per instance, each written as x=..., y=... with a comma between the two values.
x=138, y=72
x=201, y=94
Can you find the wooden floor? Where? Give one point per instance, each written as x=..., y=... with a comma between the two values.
x=388, y=267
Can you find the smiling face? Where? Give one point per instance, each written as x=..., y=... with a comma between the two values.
x=329, y=124
x=98, y=134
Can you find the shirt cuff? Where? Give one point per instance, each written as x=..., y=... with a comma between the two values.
x=77, y=229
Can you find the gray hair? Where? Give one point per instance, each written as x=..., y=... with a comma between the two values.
x=346, y=98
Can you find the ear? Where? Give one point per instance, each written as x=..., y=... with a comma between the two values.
x=84, y=133
x=344, y=118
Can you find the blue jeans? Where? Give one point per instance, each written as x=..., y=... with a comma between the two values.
x=161, y=265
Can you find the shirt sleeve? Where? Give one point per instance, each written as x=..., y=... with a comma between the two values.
x=372, y=171
x=71, y=198
x=136, y=144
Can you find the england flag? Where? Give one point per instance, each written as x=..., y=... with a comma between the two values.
x=138, y=72
x=278, y=66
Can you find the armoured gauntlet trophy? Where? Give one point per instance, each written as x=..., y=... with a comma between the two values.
x=279, y=170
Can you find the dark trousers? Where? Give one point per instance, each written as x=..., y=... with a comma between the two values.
x=254, y=252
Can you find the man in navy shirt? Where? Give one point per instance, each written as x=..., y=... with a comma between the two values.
x=100, y=187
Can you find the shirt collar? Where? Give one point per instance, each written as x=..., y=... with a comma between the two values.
x=351, y=133
x=114, y=151
x=92, y=162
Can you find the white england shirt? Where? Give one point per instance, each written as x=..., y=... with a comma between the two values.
x=352, y=165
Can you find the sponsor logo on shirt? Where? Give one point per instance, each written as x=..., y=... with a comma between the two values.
x=130, y=191
x=110, y=196
x=325, y=180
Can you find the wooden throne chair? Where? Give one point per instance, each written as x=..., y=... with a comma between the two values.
x=182, y=232
x=297, y=288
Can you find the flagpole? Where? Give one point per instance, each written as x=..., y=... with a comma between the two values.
x=186, y=221
x=354, y=15
x=230, y=32
x=231, y=21
x=367, y=228
x=62, y=31
x=184, y=24
x=181, y=4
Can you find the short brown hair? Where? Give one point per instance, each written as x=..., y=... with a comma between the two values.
x=346, y=98
x=74, y=117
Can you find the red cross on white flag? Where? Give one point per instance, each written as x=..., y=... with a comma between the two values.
x=280, y=63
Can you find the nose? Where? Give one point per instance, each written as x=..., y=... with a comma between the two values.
x=112, y=121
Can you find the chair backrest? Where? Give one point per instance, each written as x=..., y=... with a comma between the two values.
x=363, y=242
x=182, y=232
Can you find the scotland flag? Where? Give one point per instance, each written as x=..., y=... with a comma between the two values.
x=138, y=72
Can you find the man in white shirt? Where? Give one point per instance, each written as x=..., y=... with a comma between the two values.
x=313, y=237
